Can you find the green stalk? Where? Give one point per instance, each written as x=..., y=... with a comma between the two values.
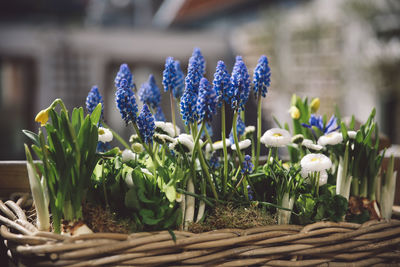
x=223, y=134
x=171, y=99
x=259, y=122
x=235, y=137
x=146, y=147
x=118, y=137
x=201, y=157
x=209, y=138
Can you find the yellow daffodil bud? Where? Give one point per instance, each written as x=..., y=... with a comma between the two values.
x=137, y=147
x=315, y=105
x=294, y=112
x=42, y=116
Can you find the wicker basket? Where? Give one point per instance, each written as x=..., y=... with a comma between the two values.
x=322, y=243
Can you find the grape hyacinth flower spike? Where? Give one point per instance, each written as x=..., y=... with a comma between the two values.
x=189, y=97
x=125, y=73
x=200, y=60
x=261, y=80
x=149, y=93
x=240, y=85
x=159, y=116
x=146, y=125
x=93, y=99
x=221, y=85
x=126, y=102
x=177, y=91
x=206, y=101
x=169, y=83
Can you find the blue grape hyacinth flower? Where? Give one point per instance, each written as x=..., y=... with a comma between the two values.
x=206, y=101
x=169, y=75
x=93, y=99
x=189, y=97
x=126, y=102
x=124, y=73
x=240, y=85
x=262, y=77
x=221, y=84
x=250, y=193
x=179, y=81
x=145, y=123
x=200, y=60
x=159, y=116
x=247, y=165
x=149, y=93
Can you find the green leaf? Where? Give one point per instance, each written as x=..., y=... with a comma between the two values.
x=95, y=116
x=170, y=193
x=131, y=199
x=148, y=217
x=33, y=136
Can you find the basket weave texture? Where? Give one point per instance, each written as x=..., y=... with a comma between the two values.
x=322, y=243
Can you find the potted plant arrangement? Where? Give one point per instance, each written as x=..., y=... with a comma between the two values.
x=177, y=197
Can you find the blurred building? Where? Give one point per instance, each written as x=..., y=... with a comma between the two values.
x=346, y=52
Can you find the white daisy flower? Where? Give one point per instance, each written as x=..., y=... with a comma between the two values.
x=128, y=155
x=217, y=145
x=249, y=129
x=315, y=163
x=310, y=145
x=163, y=138
x=352, y=134
x=166, y=128
x=183, y=143
x=276, y=137
x=105, y=135
x=242, y=144
x=332, y=138
x=323, y=177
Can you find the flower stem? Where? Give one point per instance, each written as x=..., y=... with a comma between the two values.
x=259, y=122
x=223, y=132
x=171, y=98
x=235, y=137
x=201, y=158
x=118, y=137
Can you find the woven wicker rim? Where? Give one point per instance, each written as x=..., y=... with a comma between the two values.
x=322, y=243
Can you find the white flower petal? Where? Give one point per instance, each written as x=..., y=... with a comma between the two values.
x=249, y=129
x=310, y=145
x=242, y=144
x=352, y=134
x=276, y=137
x=105, y=135
x=323, y=177
x=315, y=162
x=332, y=138
x=128, y=155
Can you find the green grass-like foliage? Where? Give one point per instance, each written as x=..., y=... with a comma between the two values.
x=68, y=153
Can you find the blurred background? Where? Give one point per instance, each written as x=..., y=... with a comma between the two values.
x=347, y=52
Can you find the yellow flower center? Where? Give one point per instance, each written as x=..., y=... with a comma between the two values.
x=101, y=132
x=315, y=159
x=277, y=134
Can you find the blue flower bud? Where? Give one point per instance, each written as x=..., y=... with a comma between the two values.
x=149, y=93
x=145, y=123
x=159, y=116
x=247, y=165
x=240, y=85
x=262, y=77
x=221, y=84
x=126, y=102
x=124, y=73
x=206, y=101
x=93, y=99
